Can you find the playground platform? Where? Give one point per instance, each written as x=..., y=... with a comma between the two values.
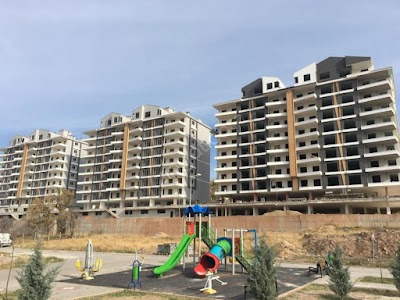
x=187, y=283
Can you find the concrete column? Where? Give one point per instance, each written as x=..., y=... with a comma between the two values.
x=388, y=210
x=310, y=196
x=226, y=211
x=365, y=210
x=310, y=210
x=230, y=212
x=285, y=208
x=255, y=211
x=347, y=209
x=378, y=210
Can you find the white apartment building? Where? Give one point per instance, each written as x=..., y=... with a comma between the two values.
x=329, y=143
x=150, y=163
x=36, y=166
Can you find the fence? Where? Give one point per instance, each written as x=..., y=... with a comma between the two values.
x=292, y=223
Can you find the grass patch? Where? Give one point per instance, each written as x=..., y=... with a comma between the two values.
x=139, y=295
x=21, y=260
x=372, y=279
x=377, y=292
x=317, y=291
x=10, y=296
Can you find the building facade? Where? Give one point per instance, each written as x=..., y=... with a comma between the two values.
x=36, y=166
x=150, y=163
x=332, y=135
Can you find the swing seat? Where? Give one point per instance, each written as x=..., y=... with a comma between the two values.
x=79, y=266
x=97, y=266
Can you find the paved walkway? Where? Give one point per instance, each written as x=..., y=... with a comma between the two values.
x=115, y=275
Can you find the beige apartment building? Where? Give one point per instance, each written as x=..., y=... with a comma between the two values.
x=154, y=162
x=36, y=166
x=329, y=143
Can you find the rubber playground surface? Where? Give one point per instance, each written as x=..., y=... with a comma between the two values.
x=187, y=283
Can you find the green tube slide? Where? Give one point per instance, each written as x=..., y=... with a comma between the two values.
x=176, y=256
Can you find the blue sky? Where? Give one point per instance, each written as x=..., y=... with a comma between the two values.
x=66, y=64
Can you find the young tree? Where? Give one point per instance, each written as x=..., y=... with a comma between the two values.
x=339, y=276
x=35, y=283
x=213, y=189
x=395, y=269
x=62, y=201
x=262, y=273
x=40, y=216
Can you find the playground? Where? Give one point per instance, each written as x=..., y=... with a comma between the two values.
x=221, y=271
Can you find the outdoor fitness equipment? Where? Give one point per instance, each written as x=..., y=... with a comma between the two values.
x=90, y=268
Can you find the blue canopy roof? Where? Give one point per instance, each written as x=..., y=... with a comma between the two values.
x=197, y=209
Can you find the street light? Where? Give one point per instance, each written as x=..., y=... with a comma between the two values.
x=190, y=188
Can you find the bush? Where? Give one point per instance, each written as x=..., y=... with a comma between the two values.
x=339, y=276
x=395, y=269
x=262, y=273
x=35, y=284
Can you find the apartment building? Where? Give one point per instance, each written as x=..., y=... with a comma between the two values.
x=36, y=166
x=328, y=143
x=149, y=163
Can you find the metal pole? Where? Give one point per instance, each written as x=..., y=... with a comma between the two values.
x=194, y=242
x=200, y=236
x=225, y=255
x=184, y=232
x=233, y=251
x=241, y=245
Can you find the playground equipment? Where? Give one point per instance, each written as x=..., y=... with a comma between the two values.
x=208, y=286
x=176, y=256
x=225, y=247
x=220, y=247
x=189, y=235
x=135, y=275
x=90, y=268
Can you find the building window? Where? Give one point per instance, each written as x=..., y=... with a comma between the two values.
x=269, y=86
x=324, y=75
x=276, y=84
x=394, y=177
x=303, y=182
x=147, y=114
x=296, y=80
x=317, y=182
x=376, y=178
x=307, y=77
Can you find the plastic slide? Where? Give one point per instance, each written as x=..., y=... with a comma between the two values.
x=211, y=260
x=176, y=256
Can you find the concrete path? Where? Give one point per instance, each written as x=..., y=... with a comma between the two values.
x=115, y=275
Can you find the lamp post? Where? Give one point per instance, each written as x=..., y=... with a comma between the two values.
x=190, y=190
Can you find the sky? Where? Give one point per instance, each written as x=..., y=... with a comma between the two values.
x=66, y=64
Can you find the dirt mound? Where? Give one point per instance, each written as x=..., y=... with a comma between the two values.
x=356, y=244
x=286, y=250
x=282, y=213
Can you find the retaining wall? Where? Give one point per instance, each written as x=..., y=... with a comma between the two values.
x=174, y=226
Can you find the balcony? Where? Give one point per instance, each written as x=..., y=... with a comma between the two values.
x=229, y=124
x=275, y=103
x=304, y=98
x=277, y=163
x=313, y=134
x=383, y=126
x=226, y=146
x=222, y=169
x=379, y=113
x=276, y=138
x=277, y=151
x=308, y=147
x=276, y=115
x=272, y=127
x=226, y=113
x=376, y=86
x=310, y=174
x=342, y=158
x=175, y=124
x=222, y=135
x=224, y=157
x=310, y=110
x=308, y=160
x=381, y=140
x=226, y=180
x=306, y=123
x=384, y=169
x=278, y=176
x=386, y=153
x=380, y=99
